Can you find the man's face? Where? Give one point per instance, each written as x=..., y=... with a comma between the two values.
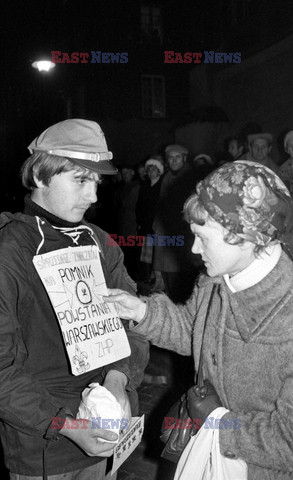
x=234, y=149
x=68, y=195
x=141, y=172
x=219, y=257
x=127, y=174
x=289, y=148
x=175, y=161
x=260, y=149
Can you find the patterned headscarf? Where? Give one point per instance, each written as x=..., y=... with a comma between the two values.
x=250, y=200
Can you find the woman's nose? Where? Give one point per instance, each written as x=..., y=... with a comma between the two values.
x=196, y=247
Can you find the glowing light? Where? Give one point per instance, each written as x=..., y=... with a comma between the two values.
x=43, y=65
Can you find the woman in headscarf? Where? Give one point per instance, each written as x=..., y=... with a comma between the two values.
x=241, y=217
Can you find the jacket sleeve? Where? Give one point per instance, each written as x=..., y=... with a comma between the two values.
x=169, y=325
x=25, y=403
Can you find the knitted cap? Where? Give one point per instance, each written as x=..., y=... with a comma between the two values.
x=155, y=163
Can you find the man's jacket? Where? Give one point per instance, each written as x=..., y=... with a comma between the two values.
x=36, y=383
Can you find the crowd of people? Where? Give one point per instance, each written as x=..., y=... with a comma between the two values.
x=146, y=200
x=211, y=238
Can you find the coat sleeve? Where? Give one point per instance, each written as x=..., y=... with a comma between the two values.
x=25, y=403
x=264, y=439
x=168, y=325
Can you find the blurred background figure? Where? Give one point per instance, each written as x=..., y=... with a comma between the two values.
x=202, y=165
x=286, y=169
x=172, y=252
x=221, y=157
x=260, y=146
x=126, y=198
x=146, y=208
x=236, y=147
x=103, y=212
x=141, y=172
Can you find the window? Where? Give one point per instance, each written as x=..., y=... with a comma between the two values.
x=240, y=11
x=153, y=96
x=151, y=21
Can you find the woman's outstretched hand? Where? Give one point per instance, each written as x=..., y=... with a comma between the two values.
x=128, y=306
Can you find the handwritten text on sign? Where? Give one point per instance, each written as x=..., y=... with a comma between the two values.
x=128, y=442
x=92, y=332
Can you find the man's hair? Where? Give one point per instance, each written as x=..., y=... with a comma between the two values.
x=238, y=139
x=194, y=212
x=44, y=166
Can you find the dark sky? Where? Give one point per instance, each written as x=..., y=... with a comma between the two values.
x=30, y=101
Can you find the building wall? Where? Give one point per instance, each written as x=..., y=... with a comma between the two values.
x=259, y=89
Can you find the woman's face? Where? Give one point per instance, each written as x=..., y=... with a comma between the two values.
x=220, y=257
x=153, y=172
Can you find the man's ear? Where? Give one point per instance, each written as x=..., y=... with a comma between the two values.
x=270, y=148
x=39, y=183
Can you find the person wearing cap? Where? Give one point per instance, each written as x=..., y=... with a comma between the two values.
x=173, y=259
x=286, y=169
x=146, y=208
x=241, y=219
x=260, y=146
x=40, y=391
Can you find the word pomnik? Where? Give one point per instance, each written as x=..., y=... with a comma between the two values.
x=89, y=57
x=201, y=57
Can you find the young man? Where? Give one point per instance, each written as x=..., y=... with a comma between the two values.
x=40, y=383
x=240, y=313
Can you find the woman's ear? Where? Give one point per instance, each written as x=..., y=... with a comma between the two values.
x=247, y=245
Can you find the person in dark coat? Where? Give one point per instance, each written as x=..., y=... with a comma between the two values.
x=172, y=254
x=146, y=208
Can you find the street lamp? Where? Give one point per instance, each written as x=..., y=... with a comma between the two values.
x=43, y=65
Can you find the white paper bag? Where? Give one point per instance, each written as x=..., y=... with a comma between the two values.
x=202, y=459
x=102, y=408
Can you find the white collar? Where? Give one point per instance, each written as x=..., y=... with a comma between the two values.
x=256, y=271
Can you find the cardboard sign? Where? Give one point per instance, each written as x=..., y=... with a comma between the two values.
x=92, y=332
x=128, y=442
